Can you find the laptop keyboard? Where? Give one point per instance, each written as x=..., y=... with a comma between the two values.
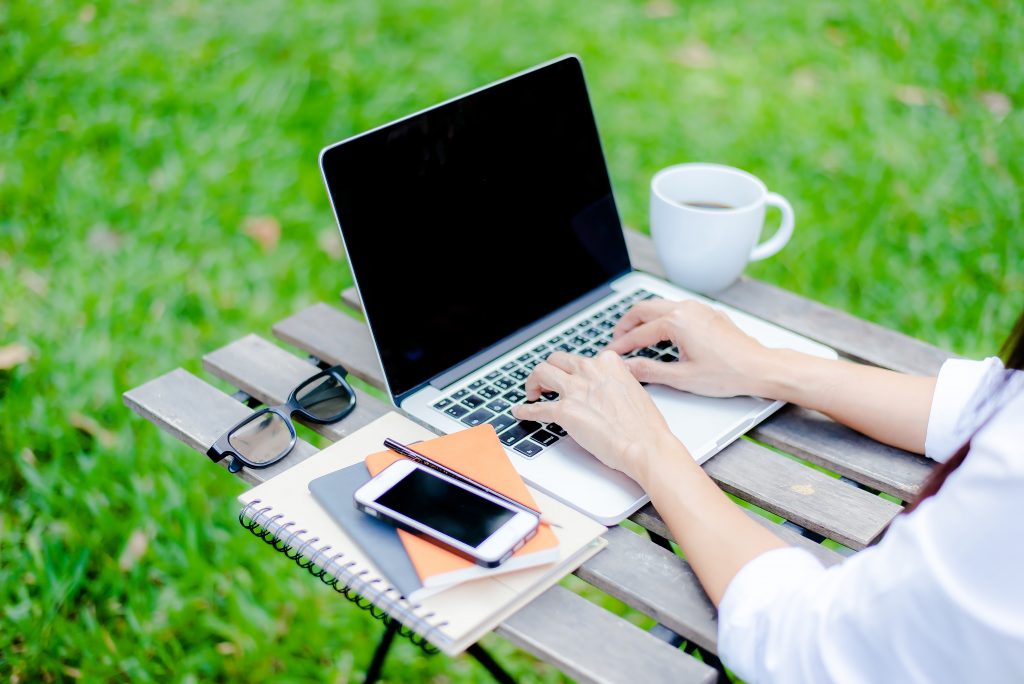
x=489, y=396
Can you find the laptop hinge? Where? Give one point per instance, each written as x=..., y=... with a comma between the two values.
x=494, y=351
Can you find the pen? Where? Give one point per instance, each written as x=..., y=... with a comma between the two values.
x=411, y=453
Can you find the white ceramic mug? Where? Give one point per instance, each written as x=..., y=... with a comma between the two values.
x=706, y=220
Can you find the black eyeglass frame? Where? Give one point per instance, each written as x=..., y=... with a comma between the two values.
x=222, y=448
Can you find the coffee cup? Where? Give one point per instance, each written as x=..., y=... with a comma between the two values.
x=706, y=220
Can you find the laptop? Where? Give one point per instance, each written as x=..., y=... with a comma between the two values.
x=483, y=235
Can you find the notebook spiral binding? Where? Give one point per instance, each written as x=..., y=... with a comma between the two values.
x=370, y=594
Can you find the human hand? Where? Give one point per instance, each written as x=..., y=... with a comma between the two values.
x=716, y=358
x=603, y=407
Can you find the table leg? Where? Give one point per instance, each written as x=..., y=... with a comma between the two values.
x=491, y=665
x=381, y=652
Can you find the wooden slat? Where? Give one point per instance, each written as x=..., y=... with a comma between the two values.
x=331, y=334
x=854, y=337
x=351, y=299
x=821, y=440
x=800, y=494
x=587, y=645
x=809, y=435
x=649, y=518
x=803, y=495
x=319, y=336
x=269, y=373
x=656, y=582
x=197, y=413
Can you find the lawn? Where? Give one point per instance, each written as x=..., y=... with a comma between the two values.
x=159, y=197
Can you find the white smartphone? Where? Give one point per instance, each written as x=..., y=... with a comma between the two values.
x=462, y=519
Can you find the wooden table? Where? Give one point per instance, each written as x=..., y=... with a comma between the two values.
x=560, y=626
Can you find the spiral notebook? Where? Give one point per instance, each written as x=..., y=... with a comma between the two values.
x=451, y=620
x=478, y=454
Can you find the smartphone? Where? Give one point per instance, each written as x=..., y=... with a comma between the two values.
x=457, y=516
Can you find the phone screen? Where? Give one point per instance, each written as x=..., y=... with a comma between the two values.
x=446, y=508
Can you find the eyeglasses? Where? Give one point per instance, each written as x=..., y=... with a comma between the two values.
x=268, y=435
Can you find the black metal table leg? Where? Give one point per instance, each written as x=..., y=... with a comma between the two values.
x=491, y=665
x=381, y=652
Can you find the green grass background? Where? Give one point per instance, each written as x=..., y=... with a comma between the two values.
x=136, y=139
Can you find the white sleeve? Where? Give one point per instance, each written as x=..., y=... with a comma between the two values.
x=957, y=383
x=752, y=618
x=946, y=574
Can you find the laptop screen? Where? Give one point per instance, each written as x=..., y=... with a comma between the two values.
x=471, y=220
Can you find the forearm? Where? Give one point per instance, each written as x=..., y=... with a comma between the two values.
x=888, y=406
x=716, y=536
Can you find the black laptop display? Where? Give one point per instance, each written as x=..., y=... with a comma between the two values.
x=468, y=221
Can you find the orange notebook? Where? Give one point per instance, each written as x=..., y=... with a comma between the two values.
x=477, y=454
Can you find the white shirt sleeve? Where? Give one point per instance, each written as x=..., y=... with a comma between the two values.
x=938, y=600
x=957, y=384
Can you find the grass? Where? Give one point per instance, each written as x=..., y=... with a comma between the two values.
x=138, y=141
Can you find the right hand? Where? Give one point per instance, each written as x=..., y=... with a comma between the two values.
x=716, y=358
x=602, y=406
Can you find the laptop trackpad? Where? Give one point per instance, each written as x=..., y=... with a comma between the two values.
x=701, y=422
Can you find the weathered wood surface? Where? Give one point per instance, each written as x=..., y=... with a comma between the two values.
x=656, y=582
x=197, y=414
x=269, y=373
x=351, y=299
x=854, y=337
x=633, y=570
x=821, y=440
x=649, y=518
x=807, y=497
x=800, y=494
x=591, y=645
x=309, y=326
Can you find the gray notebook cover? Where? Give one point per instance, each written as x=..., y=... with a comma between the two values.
x=376, y=538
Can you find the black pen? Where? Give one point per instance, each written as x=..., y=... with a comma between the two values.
x=411, y=453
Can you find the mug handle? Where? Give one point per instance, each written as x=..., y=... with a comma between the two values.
x=782, y=235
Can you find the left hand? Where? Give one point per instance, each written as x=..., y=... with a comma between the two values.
x=603, y=407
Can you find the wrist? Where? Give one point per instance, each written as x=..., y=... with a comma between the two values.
x=768, y=374
x=650, y=458
x=785, y=374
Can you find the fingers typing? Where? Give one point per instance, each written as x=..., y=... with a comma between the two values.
x=645, y=370
x=546, y=377
x=643, y=335
x=642, y=312
x=542, y=412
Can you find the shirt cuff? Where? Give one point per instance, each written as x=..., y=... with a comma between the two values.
x=958, y=381
x=744, y=614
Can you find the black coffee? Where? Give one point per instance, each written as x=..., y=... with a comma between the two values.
x=697, y=204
